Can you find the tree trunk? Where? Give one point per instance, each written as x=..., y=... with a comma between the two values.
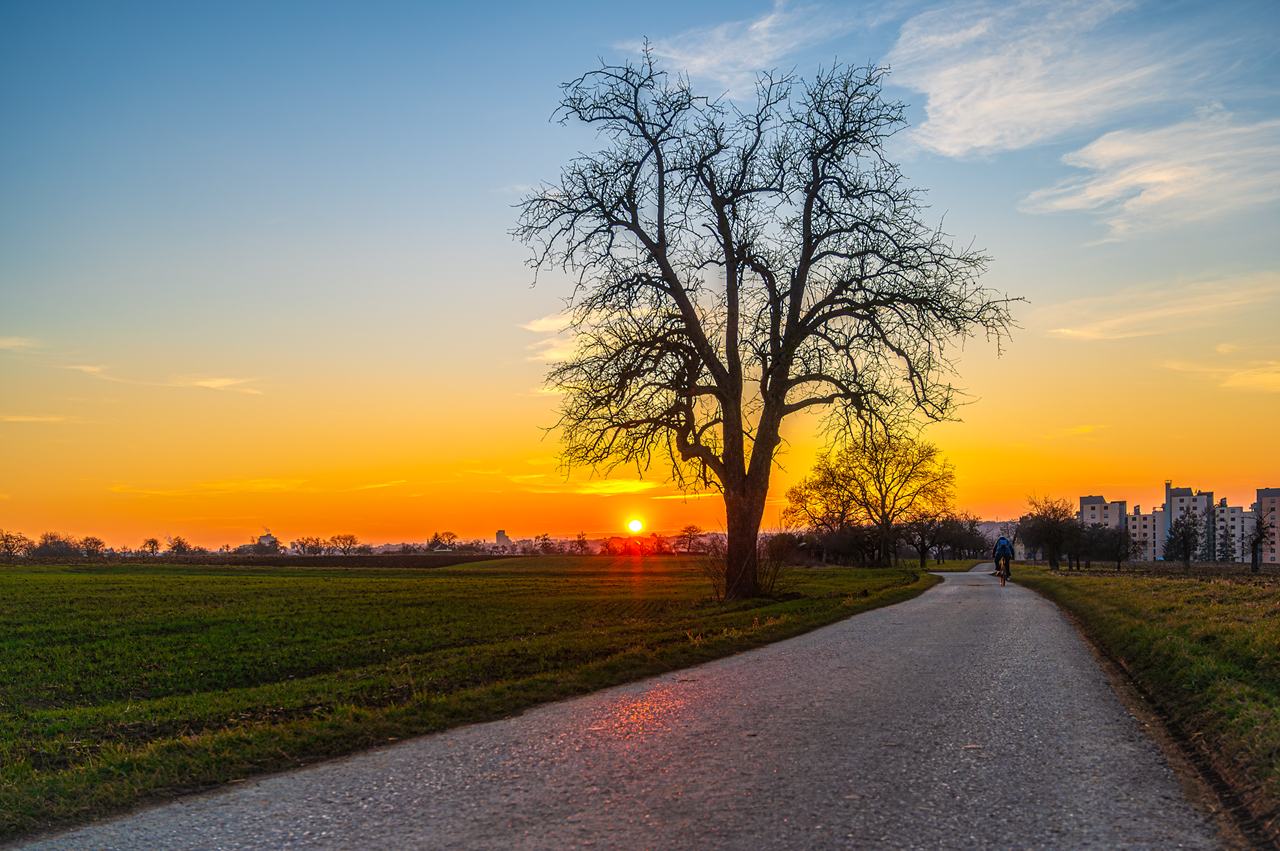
x=886, y=535
x=743, y=513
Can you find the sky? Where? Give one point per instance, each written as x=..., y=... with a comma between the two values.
x=256, y=269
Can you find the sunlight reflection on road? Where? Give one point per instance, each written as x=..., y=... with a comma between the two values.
x=639, y=715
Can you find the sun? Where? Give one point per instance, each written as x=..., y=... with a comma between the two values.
x=635, y=526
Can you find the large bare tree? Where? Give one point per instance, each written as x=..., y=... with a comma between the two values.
x=737, y=266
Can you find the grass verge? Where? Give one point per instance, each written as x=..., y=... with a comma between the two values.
x=126, y=684
x=959, y=565
x=1207, y=652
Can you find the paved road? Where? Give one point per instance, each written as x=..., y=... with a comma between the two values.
x=872, y=733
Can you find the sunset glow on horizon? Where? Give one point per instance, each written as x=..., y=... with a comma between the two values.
x=256, y=270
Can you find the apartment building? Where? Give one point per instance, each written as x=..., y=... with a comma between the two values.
x=1096, y=509
x=1265, y=512
x=1218, y=521
x=1146, y=529
x=1233, y=523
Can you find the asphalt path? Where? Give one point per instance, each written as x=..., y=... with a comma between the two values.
x=970, y=717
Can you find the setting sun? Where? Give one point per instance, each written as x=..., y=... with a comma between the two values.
x=635, y=526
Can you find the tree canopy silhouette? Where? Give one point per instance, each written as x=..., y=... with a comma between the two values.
x=737, y=266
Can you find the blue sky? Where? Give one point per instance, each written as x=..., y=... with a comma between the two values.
x=305, y=208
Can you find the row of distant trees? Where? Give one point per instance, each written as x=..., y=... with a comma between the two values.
x=1051, y=527
x=58, y=545
x=50, y=544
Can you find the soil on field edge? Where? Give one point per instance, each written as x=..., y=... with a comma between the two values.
x=1208, y=789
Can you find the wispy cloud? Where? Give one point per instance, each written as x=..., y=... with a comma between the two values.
x=1255, y=376
x=209, y=383
x=557, y=343
x=732, y=53
x=608, y=487
x=17, y=343
x=1001, y=76
x=683, y=496
x=21, y=418
x=1146, y=180
x=552, y=323
x=1149, y=310
x=1075, y=431
x=543, y=483
x=265, y=485
x=231, y=384
x=381, y=485
x=1264, y=378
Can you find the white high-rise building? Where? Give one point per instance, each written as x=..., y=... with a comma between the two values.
x=1145, y=528
x=1096, y=509
x=1234, y=521
x=1264, y=511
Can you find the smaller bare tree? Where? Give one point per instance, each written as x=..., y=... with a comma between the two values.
x=345, y=544
x=13, y=543
x=93, y=546
x=1226, y=546
x=309, y=545
x=880, y=479
x=56, y=545
x=1183, y=540
x=925, y=530
x=1259, y=537
x=689, y=538
x=1047, y=527
x=1119, y=545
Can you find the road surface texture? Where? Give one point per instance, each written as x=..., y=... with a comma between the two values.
x=971, y=717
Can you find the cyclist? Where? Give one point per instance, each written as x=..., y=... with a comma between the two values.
x=1002, y=552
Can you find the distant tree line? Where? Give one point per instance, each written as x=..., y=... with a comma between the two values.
x=58, y=545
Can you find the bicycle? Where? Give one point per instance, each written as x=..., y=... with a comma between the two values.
x=1002, y=568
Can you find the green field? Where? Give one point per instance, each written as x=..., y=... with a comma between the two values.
x=124, y=684
x=1206, y=650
